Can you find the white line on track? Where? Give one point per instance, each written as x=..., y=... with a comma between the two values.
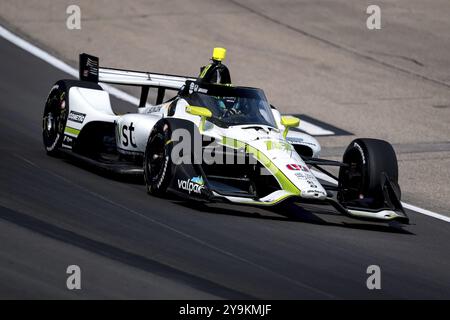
x=426, y=212
x=314, y=130
x=41, y=54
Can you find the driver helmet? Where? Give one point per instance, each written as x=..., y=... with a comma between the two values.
x=216, y=72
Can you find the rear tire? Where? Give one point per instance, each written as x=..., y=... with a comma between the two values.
x=56, y=111
x=54, y=118
x=369, y=161
x=157, y=160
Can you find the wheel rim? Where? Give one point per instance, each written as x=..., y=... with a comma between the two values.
x=53, y=120
x=156, y=159
x=353, y=179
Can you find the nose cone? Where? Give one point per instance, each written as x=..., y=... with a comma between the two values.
x=290, y=166
x=314, y=194
x=300, y=175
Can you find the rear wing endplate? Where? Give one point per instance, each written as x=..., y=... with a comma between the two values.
x=91, y=71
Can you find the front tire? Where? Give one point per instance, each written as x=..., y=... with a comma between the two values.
x=157, y=160
x=369, y=162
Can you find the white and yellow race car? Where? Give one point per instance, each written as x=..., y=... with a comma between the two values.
x=214, y=141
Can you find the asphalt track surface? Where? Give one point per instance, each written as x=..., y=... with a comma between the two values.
x=128, y=244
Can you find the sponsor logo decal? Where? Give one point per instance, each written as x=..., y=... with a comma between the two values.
x=154, y=109
x=304, y=176
x=127, y=135
x=295, y=140
x=67, y=140
x=311, y=184
x=76, y=116
x=357, y=146
x=195, y=185
x=297, y=167
x=300, y=175
x=301, y=141
x=317, y=192
x=278, y=145
x=88, y=68
x=193, y=87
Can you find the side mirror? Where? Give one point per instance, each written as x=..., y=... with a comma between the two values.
x=201, y=112
x=289, y=122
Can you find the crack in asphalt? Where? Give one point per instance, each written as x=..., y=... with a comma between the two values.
x=339, y=46
x=415, y=61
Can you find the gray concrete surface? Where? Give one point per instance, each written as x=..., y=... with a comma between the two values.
x=311, y=57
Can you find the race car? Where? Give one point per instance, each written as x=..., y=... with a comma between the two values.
x=214, y=142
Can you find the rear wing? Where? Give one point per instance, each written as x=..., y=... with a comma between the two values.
x=91, y=71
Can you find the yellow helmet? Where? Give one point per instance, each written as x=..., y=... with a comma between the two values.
x=219, y=54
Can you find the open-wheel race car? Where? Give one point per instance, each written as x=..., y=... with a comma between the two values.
x=214, y=141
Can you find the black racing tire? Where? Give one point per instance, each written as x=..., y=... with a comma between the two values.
x=57, y=105
x=157, y=159
x=368, y=160
x=54, y=118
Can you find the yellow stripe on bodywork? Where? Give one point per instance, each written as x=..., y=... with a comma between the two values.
x=205, y=69
x=260, y=203
x=284, y=182
x=73, y=131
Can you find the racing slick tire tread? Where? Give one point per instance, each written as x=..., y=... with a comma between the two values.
x=157, y=179
x=370, y=159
